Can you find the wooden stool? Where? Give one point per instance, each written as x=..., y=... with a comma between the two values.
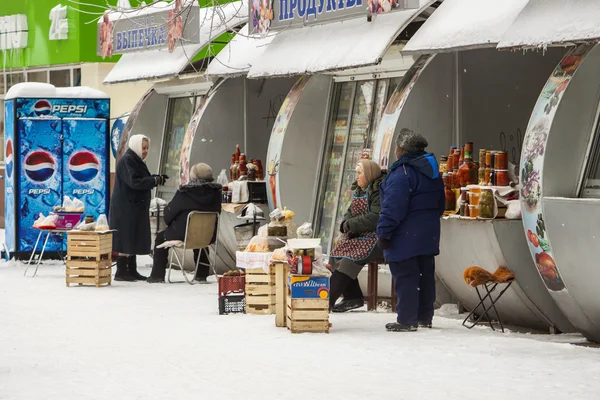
x=372, y=297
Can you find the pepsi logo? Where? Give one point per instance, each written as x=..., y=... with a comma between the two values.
x=42, y=107
x=39, y=166
x=83, y=166
x=9, y=158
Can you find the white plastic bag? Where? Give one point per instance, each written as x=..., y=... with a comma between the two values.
x=222, y=178
x=67, y=204
x=38, y=222
x=78, y=206
x=513, y=210
x=305, y=231
x=102, y=224
x=49, y=222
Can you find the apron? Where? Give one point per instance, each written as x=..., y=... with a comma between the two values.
x=360, y=247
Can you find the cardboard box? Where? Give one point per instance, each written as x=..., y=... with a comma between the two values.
x=308, y=287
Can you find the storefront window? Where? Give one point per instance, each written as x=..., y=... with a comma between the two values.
x=76, y=76
x=179, y=114
x=380, y=103
x=333, y=165
x=13, y=78
x=37, y=76
x=1, y=84
x=61, y=78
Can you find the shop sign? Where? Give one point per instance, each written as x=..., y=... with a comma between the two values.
x=59, y=28
x=163, y=28
x=277, y=14
x=13, y=32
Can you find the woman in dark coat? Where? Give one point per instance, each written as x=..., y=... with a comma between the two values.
x=358, y=245
x=200, y=194
x=130, y=206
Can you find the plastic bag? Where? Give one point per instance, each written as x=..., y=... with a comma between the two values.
x=263, y=231
x=305, y=231
x=102, y=224
x=78, y=206
x=222, y=178
x=280, y=254
x=38, y=222
x=67, y=204
x=276, y=215
x=513, y=210
x=258, y=245
x=49, y=222
x=513, y=173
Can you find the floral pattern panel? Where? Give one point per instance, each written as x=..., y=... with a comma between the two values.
x=532, y=161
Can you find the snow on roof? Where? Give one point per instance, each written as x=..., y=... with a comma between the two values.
x=547, y=22
x=239, y=54
x=138, y=12
x=465, y=24
x=333, y=46
x=159, y=63
x=46, y=90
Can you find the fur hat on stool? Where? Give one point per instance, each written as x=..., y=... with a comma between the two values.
x=201, y=172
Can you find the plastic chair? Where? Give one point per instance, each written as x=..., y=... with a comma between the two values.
x=199, y=232
x=477, y=277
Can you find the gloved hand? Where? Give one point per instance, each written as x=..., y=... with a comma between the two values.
x=159, y=180
x=165, y=177
x=344, y=227
x=383, y=244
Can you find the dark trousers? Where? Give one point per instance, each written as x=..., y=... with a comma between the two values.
x=161, y=259
x=414, y=281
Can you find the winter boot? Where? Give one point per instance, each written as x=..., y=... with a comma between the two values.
x=398, y=327
x=338, y=283
x=122, y=273
x=203, y=269
x=352, y=298
x=151, y=279
x=132, y=266
x=425, y=324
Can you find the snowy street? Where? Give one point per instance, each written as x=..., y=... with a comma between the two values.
x=142, y=341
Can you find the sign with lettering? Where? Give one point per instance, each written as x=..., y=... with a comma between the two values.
x=13, y=32
x=59, y=28
x=269, y=15
x=120, y=33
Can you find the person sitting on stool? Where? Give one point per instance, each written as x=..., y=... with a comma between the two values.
x=200, y=194
x=358, y=246
x=412, y=202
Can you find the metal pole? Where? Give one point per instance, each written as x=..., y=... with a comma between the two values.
x=245, y=90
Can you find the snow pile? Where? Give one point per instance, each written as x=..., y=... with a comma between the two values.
x=142, y=341
x=159, y=63
x=546, y=22
x=48, y=91
x=333, y=46
x=465, y=24
x=239, y=55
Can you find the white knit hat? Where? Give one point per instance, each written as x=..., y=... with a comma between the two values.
x=136, y=142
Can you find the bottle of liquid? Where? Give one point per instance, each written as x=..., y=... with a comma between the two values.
x=261, y=173
x=232, y=172
x=237, y=152
x=468, y=171
x=243, y=170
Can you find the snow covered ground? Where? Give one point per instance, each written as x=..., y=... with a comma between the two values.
x=142, y=341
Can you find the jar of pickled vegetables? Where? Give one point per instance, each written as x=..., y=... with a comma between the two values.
x=486, y=204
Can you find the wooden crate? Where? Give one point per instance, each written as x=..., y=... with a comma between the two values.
x=282, y=271
x=91, y=272
x=89, y=258
x=307, y=315
x=89, y=245
x=260, y=291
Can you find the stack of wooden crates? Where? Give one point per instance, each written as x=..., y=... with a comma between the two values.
x=260, y=291
x=89, y=258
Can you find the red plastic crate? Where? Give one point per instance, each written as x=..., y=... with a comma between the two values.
x=231, y=285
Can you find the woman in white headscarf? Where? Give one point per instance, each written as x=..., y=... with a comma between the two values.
x=130, y=206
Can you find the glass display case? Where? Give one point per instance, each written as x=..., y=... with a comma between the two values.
x=357, y=108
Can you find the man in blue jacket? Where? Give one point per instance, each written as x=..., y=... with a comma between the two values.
x=412, y=202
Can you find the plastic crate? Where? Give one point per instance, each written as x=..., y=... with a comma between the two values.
x=231, y=285
x=233, y=304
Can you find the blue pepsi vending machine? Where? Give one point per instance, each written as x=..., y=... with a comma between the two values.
x=55, y=146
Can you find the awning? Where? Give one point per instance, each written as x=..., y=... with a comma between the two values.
x=464, y=25
x=143, y=65
x=554, y=22
x=239, y=55
x=333, y=46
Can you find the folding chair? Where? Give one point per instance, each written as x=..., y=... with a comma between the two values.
x=199, y=232
x=489, y=282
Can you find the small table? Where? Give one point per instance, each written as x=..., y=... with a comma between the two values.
x=49, y=232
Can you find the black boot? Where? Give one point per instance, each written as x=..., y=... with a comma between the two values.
x=398, y=327
x=132, y=266
x=122, y=273
x=338, y=283
x=203, y=268
x=353, y=298
x=425, y=324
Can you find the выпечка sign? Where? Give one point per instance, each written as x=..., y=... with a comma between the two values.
x=13, y=32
